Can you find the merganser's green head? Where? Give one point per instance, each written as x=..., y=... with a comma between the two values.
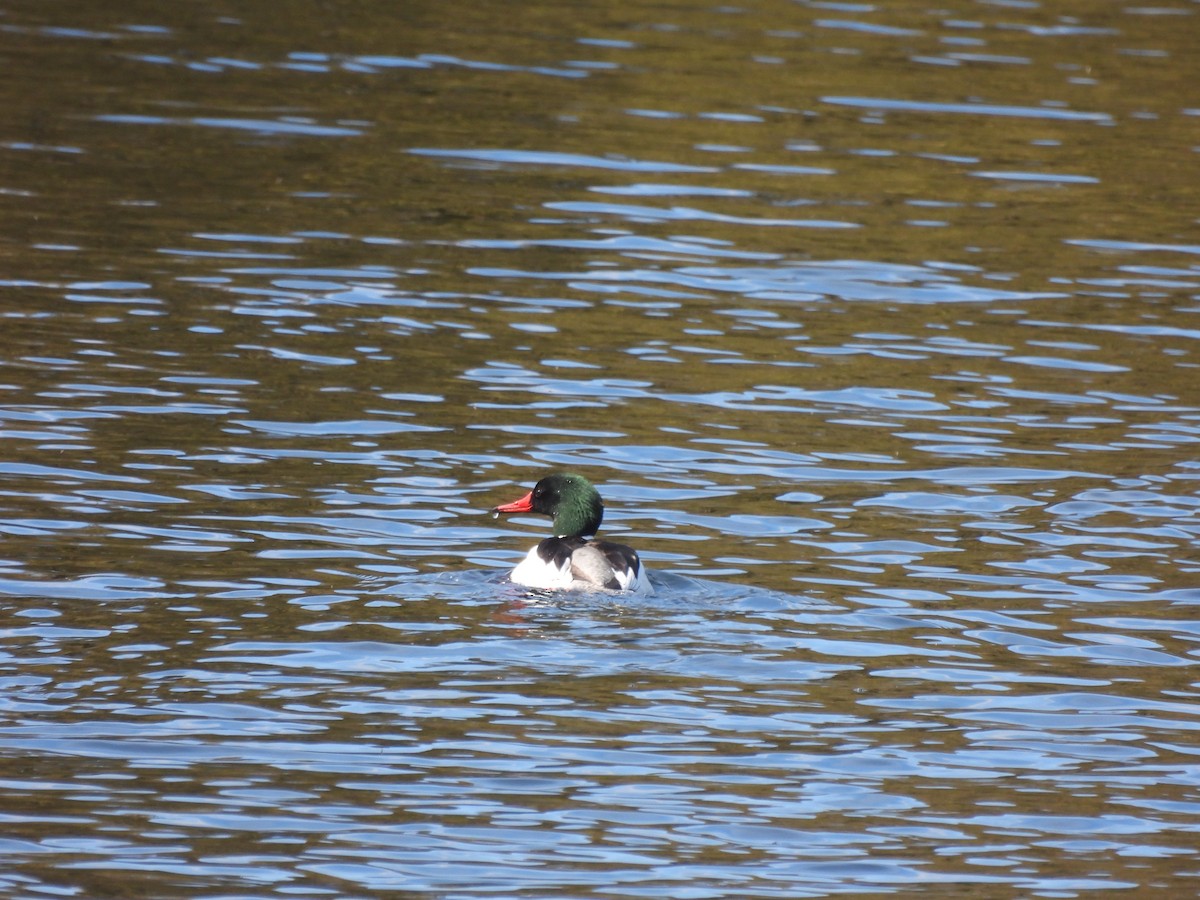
x=569, y=499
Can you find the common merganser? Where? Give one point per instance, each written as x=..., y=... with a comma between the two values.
x=569, y=561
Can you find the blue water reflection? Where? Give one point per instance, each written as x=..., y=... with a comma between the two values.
x=875, y=326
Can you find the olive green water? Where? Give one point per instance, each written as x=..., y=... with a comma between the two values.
x=876, y=325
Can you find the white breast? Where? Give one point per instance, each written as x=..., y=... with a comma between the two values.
x=535, y=572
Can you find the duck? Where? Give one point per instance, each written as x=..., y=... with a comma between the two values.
x=571, y=559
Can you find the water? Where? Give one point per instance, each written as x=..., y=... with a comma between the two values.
x=875, y=325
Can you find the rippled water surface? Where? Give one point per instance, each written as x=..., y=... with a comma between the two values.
x=876, y=325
